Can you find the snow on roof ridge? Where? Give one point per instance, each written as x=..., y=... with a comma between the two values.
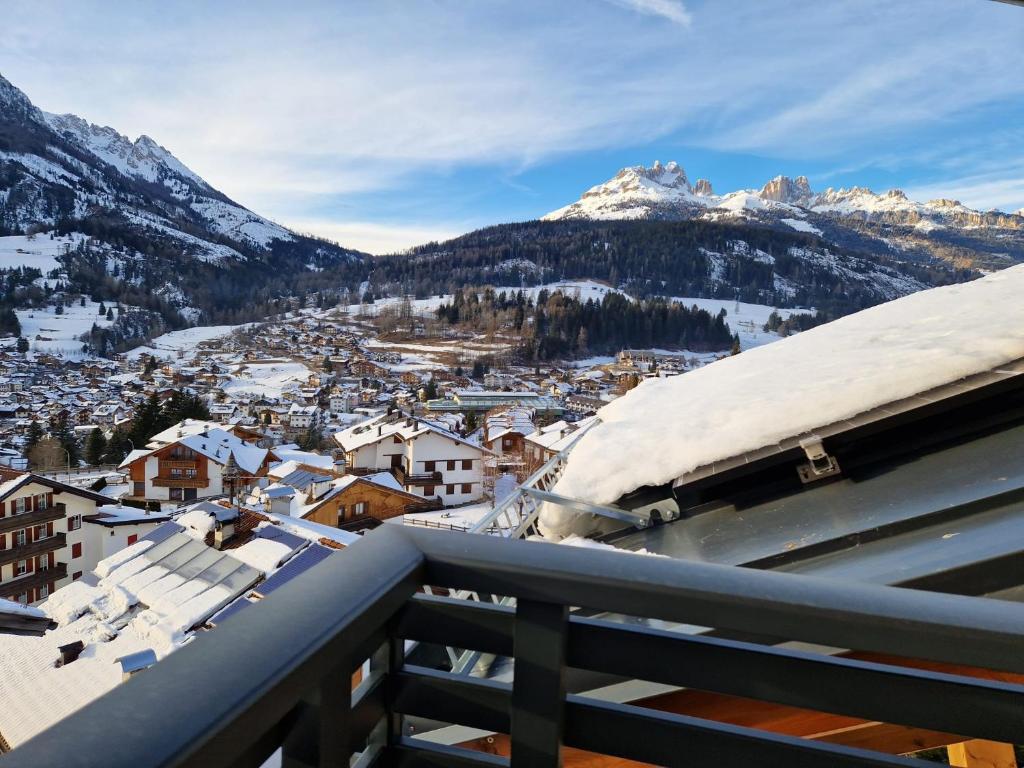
x=835, y=371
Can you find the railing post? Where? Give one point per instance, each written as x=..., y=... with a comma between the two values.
x=538, y=690
x=321, y=736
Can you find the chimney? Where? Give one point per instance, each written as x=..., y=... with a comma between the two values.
x=134, y=663
x=69, y=652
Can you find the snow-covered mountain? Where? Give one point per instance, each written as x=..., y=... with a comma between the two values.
x=60, y=169
x=855, y=217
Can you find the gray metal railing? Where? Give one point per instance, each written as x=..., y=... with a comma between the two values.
x=279, y=675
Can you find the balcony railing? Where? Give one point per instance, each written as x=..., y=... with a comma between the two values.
x=31, y=549
x=416, y=478
x=13, y=521
x=234, y=702
x=181, y=482
x=11, y=589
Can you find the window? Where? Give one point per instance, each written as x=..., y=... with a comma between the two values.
x=428, y=490
x=39, y=533
x=467, y=463
x=20, y=537
x=191, y=473
x=42, y=592
x=428, y=466
x=20, y=507
x=23, y=598
x=76, y=575
x=133, y=538
x=451, y=465
x=76, y=550
x=175, y=472
x=467, y=487
x=450, y=489
x=360, y=508
x=21, y=568
x=175, y=494
x=74, y=522
x=41, y=501
x=43, y=563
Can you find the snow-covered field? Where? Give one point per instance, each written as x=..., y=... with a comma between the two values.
x=177, y=344
x=745, y=319
x=268, y=378
x=37, y=251
x=56, y=334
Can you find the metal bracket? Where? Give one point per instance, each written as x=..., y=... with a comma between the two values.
x=819, y=463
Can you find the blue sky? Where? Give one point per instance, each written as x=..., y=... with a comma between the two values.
x=384, y=124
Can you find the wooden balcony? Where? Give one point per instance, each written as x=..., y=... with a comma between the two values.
x=14, y=522
x=32, y=549
x=178, y=464
x=424, y=478
x=181, y=482
x=11, y=589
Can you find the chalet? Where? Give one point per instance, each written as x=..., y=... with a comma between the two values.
x=427, y=459
x=548, y=441
x=584, y=405
x=195, y=466
x=506, y=428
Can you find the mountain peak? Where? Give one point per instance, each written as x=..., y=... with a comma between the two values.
x=703, y=188
x=783, y=189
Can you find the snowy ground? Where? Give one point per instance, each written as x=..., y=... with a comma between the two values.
x=179, y=343
x=37, y=251
x=745, y=319
x=269, y=379
x=56, y=334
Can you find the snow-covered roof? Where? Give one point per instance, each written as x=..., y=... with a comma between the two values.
x=386, y=427
x=559, y=435
x=665, y=428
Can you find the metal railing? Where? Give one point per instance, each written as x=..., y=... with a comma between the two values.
x=517, y=516
x=234, y=702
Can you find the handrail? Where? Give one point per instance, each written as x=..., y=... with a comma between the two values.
x=234, y=701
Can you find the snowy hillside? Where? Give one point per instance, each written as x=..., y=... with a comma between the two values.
x=149, y=220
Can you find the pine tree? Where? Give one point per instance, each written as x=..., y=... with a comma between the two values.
x=117, y=448
x=95, y=447
x=34, y=434
x=22, y=344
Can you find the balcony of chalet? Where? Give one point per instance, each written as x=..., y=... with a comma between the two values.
x=15, y=521
x=10, y=590
x=32, y=548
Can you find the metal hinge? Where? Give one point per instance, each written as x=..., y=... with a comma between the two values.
x=819, y=463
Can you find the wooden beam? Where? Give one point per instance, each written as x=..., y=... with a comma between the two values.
x=981, y=754
x=793, y=721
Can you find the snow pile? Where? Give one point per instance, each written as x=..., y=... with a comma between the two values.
x=119, y=558
x=197, y=523
x=262, y=554
x=667, y=427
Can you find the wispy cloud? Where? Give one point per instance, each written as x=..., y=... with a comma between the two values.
x=384, y=105
x=673, y=10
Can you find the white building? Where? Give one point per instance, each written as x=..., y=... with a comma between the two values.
x=52, y=533
x=427, y=459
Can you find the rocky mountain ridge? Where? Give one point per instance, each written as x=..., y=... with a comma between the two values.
x=891, y=223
